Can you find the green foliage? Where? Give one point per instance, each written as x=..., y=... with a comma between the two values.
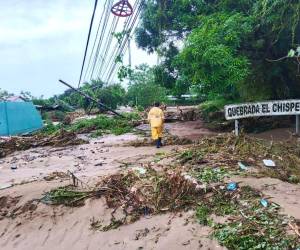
x=66, y=196
x=261, y=230
x=112, y=95
x=190, y=155
x=97, y=126
x=210, y=58
x=202, y=214
x=133, y=116
x=120, y=35
x=124, y=72
x=143, y=90
x=164, y=19
x=232, y=48
x=253, y=227
x=213, y=105
x=211, y=175
x=49, y=128
x=59, y=115
x=101, y=122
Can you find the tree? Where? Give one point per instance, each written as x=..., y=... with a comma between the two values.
x=235, y=63
x=4, y=94
x=143, y=90
x=210, y=59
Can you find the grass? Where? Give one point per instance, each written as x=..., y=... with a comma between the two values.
x=214, y=105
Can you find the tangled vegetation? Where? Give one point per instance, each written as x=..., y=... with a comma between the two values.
x=227, y=150
x=252, y=227
x=247, y=224
x=102, y=124
x=61, y=138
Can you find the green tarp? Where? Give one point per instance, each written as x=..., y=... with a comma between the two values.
x=18, y=118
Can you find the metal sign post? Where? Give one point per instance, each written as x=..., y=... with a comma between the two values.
x=236, y=127
x=297, y=124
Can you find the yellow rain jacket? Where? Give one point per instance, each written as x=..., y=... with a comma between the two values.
x=156, y=119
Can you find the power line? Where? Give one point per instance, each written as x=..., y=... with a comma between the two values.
x=96, y=37
x=121, y=48
x=106, y=18
x=107, y=45
x=118, y=44
x=115, y=51
x=88, y=40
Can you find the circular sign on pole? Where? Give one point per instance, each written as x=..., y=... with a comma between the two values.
x=122, y=8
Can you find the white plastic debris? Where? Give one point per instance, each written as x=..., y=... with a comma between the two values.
x=140, y=170
x=242, y=166
x=269, y=163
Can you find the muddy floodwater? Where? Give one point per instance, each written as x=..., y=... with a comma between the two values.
x=27, y=223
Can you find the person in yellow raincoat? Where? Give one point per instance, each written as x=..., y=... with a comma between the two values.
x=156, y=119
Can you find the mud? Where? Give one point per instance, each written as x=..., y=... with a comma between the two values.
x=26, y=223
x=286, y=195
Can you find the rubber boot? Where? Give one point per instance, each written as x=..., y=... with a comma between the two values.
x=157, y=143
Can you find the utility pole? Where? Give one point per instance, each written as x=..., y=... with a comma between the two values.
x=91, y=98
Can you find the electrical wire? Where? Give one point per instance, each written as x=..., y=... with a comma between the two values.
x=104, y=26
x=102, y=62
x=96, y=38
x=107, y=45
x=87, y=42
x=121, y=50
x=114, y=53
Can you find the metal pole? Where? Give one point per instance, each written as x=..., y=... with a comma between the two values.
x=91, y=98
x=297, y=124
x=129, y=51
x=236, y=127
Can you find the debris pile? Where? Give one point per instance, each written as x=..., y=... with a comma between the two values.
x=145, y=191
x=68, y=195
x=248, y=224
x=60, y=139
x=226, y=150
x=136, y=193
x=179, y=113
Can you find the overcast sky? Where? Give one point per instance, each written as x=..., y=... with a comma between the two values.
x=43, y=41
